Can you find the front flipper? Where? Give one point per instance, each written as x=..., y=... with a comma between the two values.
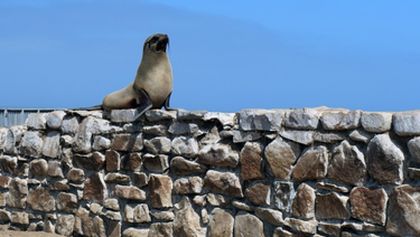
x=166, y=103
x=144, y=103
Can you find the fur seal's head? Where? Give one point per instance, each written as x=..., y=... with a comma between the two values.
x=156, y=43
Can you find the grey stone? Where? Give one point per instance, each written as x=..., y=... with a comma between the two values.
x=156, y=115
x=312, y=164
x=54, y=169
x=407, y=123
x=185, y=146
x=31, y=144
x=301, y=137
x=156, y=130
x=158, y=145
x=190, y=185
x=260, y=120
x=113, y=215
x=190, y=115
x=331, y=206
x=280, y=156
x=404, y=211
x=129, y=192
x=123, y=115
x=65, y=225
x=301, y=226
x=242, y=206
x=245, y=136
x=247, y=225
x=328, y=137
x=156, y=163
x=218, y=155
x=376, y=122
x=163, y=215
x=304, y=203
x=36, y=121
x=181, y=128
x=55, y=119
x=302, y=119
x=92, y=161
x=360, y=136
x=226, y=119
x=70, y=125
x=347, y=164
x=182, y=166
x=223, y=182
x=216, y=199
x=21, y=218
x=101, y=143
x=340, y=120
x=284, y=193
x=51, y=147
x=385, y=160
x=414, y=149
x=212, y=136
x=187, y=221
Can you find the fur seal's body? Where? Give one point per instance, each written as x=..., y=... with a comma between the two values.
x=152, y=86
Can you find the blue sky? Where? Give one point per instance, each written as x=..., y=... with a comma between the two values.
x=226, y=55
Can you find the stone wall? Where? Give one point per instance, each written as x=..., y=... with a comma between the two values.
x=309, y=172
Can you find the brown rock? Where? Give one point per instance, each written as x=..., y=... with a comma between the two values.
x=112, y=203
x=218, y=155
x=3, y=199
x=127, y=142
x=161, y=230
x=94, y=161
x=312, y=164
x=76, y=175
x=18, y=190
x=247, y=225
x=54, y=169
x=223, y=182
x=188, y=185
x=369, y=205
x=250, y=160
x=187, y=221
x=301, y=226
x=385, y=160
x=95, y=188
x=140, y=179
x=160, y=191
x=112, y=161
x=138, y=214
x=4, y=181
x=304, y=203
x=129, y=192
x=259, y=194
x=38, y=168
x=182, y=166
x=4, y=216
x=158, y=145
x=404, y=211
x=331, y=206
x=132, y=162
x=88, y=226
x=330, y=229
x=41, y=200
x=19, y=218
x=280, y=232
x=8, y=164
x=65, y=225
x=113, y=228
x=274, y=217
x=216, y=199
x=156, y=163
x=280, y=156
x=163, y=215
x=347, y=164
x=133, y=232
x=221, y=224
x=117, y=178
x=67, y=202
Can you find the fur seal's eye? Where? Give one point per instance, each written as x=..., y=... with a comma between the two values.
x=154, y=39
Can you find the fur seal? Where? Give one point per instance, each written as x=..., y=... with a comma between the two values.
x=152, y=87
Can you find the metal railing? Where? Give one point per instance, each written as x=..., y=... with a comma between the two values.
x=17, y=116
